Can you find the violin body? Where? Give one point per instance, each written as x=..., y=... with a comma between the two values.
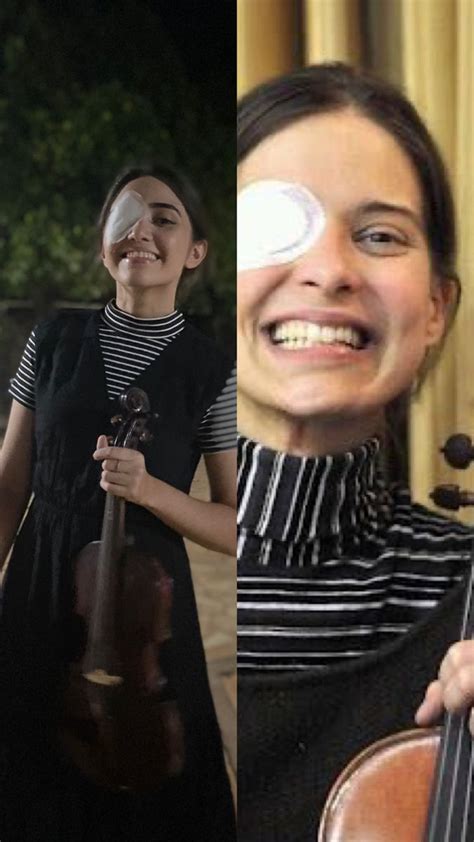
x=126, y=734
x=383, y=795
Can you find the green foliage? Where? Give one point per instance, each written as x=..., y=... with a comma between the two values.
x=76, y=106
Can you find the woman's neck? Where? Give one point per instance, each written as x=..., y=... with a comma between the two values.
x=146, y=303
x=315, y=436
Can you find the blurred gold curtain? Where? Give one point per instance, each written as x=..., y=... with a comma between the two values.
x=332, y=31
x=464, y=185
x=266, y=40
x=426, y=46
x=429, y=74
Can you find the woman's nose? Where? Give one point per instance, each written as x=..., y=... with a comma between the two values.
x=142, y=230
x=332, y=263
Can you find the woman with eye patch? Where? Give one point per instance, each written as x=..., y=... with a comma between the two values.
x=75, y=366
x=349, y=593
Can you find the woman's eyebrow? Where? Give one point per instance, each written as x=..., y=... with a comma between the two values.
x=164, y=205
x=389, y=207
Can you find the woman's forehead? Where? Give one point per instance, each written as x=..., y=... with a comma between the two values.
x=340, y=156
x=153, y=190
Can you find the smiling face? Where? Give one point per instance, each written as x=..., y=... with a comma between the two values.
x=151, y=256
x=326, y=341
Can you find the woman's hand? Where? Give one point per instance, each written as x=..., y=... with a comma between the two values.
x=454, y=688
x=209, y=523
x=123, y=471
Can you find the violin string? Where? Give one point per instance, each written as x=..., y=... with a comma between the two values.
x=455, y=789
x=467, y=799
x=467, y=631
x=459, y=726
x=437, y=815
x=455, y=735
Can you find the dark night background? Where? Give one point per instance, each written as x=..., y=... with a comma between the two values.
x=86, y=89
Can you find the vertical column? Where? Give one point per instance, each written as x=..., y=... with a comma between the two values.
x=266, y=40
x=428, y=68
x=465, y=206
x=333, y=31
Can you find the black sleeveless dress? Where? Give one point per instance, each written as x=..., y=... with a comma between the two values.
x=41, y=796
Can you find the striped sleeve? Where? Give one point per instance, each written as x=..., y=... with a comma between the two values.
x=217, y=430
x=22, y=385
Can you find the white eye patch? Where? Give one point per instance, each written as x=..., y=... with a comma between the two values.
x=277, y=221
x=126, y=211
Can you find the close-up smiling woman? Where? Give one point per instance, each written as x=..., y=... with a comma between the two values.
x=75, y=367
x=350, y=594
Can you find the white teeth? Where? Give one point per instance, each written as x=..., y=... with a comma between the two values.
x=148, y=255
x=299, y=334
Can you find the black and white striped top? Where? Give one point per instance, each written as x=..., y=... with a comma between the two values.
x=129, y=344
x=333, y=563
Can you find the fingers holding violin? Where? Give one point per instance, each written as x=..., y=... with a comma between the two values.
x=431, y=708
x=457, y=676
x=458, y=656
x=454, y=688
x=123, y=472
x=113, y=476
x=130, y=486
x=121, y=454
x=117, y=466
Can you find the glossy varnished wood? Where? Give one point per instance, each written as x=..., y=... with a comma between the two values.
x=384, y=793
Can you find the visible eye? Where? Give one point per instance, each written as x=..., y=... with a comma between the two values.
x=383, y=241
x=163, y=221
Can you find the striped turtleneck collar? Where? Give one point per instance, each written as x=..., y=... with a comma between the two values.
x=288, y=498
x=161, y=327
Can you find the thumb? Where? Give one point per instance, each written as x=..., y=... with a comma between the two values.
x=431, y=707
x=102, y=442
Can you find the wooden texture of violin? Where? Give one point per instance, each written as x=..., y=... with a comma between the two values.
x=383, y=795
x=121, y=725
x=127, y=735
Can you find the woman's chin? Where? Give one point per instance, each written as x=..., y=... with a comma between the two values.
x=141, y=281
x=326, y=404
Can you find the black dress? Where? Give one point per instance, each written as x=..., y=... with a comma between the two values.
x=42, y=797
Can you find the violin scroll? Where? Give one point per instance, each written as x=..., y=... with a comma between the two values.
x=135, y=420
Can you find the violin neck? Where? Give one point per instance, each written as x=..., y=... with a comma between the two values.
x=451, y=813
x=113, y=527
x=101, y=658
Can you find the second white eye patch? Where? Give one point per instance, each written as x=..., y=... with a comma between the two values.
x=277, y=221
x=126, y=211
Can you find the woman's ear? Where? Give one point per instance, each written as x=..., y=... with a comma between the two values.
x=196, y=254
x=444, y=299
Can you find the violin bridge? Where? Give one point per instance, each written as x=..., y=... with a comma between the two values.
x=102, y=677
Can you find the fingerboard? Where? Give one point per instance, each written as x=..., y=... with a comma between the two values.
x=451, y=813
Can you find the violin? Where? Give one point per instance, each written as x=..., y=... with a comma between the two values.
x=415, y=786
x=121, y=724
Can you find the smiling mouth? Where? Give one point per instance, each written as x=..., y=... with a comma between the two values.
x=140, y=255
x=295, y=335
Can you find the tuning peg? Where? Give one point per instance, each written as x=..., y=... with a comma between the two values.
x=117, y=419
x=451, y=497
x=458, y=451
x=146, y=436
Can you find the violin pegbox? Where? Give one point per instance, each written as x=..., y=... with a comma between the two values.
x=135, y=419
